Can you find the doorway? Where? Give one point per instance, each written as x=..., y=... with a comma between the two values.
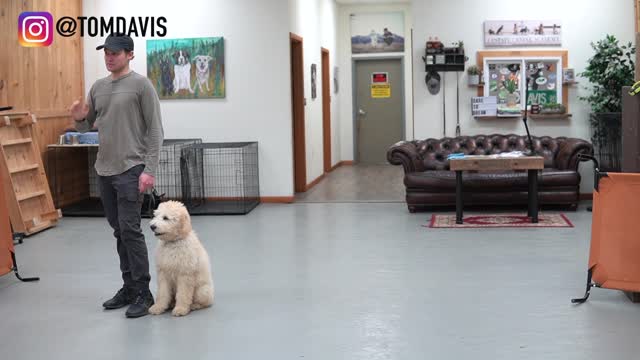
x=297, y=111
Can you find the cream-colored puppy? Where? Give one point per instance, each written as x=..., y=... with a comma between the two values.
x=184, y=271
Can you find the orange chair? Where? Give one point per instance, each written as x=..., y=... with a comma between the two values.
x=6, y=239
x=7, y=253
x=614, y=257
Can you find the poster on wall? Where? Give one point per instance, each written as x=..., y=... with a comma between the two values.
x=377, y=33
x=543, y=81
x=191, y=68
x=504, y=84
x=522, y=32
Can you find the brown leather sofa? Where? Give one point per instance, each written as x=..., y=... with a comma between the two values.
x=429, y=182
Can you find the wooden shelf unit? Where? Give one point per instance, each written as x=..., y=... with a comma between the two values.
x=25, y=187
x=529, y=116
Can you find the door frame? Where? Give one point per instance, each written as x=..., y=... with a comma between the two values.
x=326, y=108
x=354, y=98
x=298, y=143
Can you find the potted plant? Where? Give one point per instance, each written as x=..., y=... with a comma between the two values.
x=553, y=108
x=511, y=87
x=474, y=75
x=608, y=70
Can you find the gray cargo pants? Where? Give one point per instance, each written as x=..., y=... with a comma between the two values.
x=122, y=202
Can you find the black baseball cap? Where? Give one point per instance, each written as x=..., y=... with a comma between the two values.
x=117, y=42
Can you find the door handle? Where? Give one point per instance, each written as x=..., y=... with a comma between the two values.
x=362, y=112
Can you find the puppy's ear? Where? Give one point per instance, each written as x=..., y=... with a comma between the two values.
x=185, y=221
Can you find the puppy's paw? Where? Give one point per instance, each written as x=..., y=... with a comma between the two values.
x=156, y=309
x=180, y=311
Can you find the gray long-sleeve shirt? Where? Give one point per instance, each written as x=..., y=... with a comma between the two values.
x=126, y=112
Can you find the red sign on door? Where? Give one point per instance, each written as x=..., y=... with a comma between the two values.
x=379, y=78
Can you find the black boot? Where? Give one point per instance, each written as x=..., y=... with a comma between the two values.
x=122, y=298
x=140, y=305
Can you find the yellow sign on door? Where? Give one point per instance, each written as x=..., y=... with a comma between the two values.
x=381, y=91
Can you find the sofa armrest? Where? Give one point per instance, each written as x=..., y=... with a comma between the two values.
x=567, y=156
x=405, y=153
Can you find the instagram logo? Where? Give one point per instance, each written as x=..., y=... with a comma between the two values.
x=34, y=29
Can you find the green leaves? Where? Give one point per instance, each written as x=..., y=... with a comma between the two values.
x=608, y=70
x=510, y=85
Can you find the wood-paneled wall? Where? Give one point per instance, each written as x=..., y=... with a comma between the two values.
x=43, y=80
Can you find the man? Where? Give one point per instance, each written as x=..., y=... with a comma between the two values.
x=125, y=108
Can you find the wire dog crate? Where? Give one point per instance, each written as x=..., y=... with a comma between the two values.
x=74, y=181
x=169, y=176
x=220, y=178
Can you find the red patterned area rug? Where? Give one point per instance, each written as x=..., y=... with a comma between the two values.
x=499, y=221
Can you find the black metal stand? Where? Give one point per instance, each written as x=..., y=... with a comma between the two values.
x=533, y=195
x=15, y=270
x=587, y=292
x=524, y=119
x=457, y=105
x=459, y=203
x=17, y=238
x=597, y=174
x=596, y=183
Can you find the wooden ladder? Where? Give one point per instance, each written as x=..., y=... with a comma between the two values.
x=25, y=183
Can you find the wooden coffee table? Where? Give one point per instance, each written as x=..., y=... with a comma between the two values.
x=487, y=163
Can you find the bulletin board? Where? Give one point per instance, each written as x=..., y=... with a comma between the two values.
x=519, y=64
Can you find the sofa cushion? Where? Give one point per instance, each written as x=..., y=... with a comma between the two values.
x=506, y=180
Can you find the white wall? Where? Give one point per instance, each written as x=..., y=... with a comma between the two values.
x=583, y=22
x=315, y=22
x=257, y=106
x=346, y=70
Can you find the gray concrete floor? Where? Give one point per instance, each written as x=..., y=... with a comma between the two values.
x=327, y=281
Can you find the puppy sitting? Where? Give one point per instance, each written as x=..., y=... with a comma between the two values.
x=184, y=271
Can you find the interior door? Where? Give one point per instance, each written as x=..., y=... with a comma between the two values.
x=379, y=120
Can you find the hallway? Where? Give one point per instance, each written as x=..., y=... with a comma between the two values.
x=358, y=183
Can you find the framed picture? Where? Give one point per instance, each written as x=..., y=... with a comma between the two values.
x=568, y=76
x=313, y=81
x=377, y=33
x=190, y=68
x=522, y=32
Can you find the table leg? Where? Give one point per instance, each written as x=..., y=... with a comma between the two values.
x=459, y=197
x=533, y=195
x=529, y=194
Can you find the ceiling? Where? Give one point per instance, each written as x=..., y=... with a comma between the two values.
x=350, y=2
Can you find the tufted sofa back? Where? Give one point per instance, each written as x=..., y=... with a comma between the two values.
x=432, y=153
